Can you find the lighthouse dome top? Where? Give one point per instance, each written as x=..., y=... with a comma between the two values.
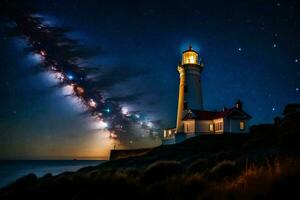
x=190, y=56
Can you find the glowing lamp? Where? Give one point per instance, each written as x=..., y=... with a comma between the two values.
x=190, y=56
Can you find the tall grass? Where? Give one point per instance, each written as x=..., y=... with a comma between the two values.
x=263, y=181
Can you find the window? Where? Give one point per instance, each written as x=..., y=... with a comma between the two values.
x=242, y=125
x=211, y=127
x=219, y=126
x=187, y=127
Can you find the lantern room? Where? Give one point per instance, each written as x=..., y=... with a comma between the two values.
x=190, y=56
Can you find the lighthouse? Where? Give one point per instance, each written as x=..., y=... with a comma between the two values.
x=192, y=119
x=190, y=91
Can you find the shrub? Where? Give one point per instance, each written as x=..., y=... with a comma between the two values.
x=161, y=170
x=198, y=166
x=177, y=187
x=130, y=172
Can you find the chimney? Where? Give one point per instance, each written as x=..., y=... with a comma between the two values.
x=239, y=105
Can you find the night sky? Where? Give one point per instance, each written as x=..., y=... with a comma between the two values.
x=251, y=51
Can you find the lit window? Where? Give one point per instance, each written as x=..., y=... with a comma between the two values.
x=219, y=126
x=211, y=127
x=242, y=125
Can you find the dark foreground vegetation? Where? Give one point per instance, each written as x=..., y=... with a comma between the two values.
x=262, y=165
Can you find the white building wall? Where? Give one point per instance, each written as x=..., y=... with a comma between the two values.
x=233, y=126
x=189, y=126
x=193, y=94
x=203, y=126
x=226, y=125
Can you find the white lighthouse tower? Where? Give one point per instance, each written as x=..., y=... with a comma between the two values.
x=190, y=91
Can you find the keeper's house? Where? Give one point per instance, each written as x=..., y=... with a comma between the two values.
x=232, y=120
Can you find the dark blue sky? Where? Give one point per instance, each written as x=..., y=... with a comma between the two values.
x=250, y=48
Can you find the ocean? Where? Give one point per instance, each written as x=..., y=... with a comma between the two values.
x=13, y=169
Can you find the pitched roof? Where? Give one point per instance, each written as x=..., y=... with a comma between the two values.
x=210, y=115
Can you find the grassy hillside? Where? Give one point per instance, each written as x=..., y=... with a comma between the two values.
x=262, y=165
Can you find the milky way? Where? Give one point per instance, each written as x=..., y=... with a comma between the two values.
x=60, y=56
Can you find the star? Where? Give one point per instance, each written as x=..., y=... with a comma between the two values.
x=274, y=45
x=296, y=60
x=239, y=49
x=70, y=77
x=297, y=89
x=278, y=4
x=273, y=109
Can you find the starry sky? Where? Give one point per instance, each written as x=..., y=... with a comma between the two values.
x=251, y=51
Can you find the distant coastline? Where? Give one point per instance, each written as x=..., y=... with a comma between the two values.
x=10, y=170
